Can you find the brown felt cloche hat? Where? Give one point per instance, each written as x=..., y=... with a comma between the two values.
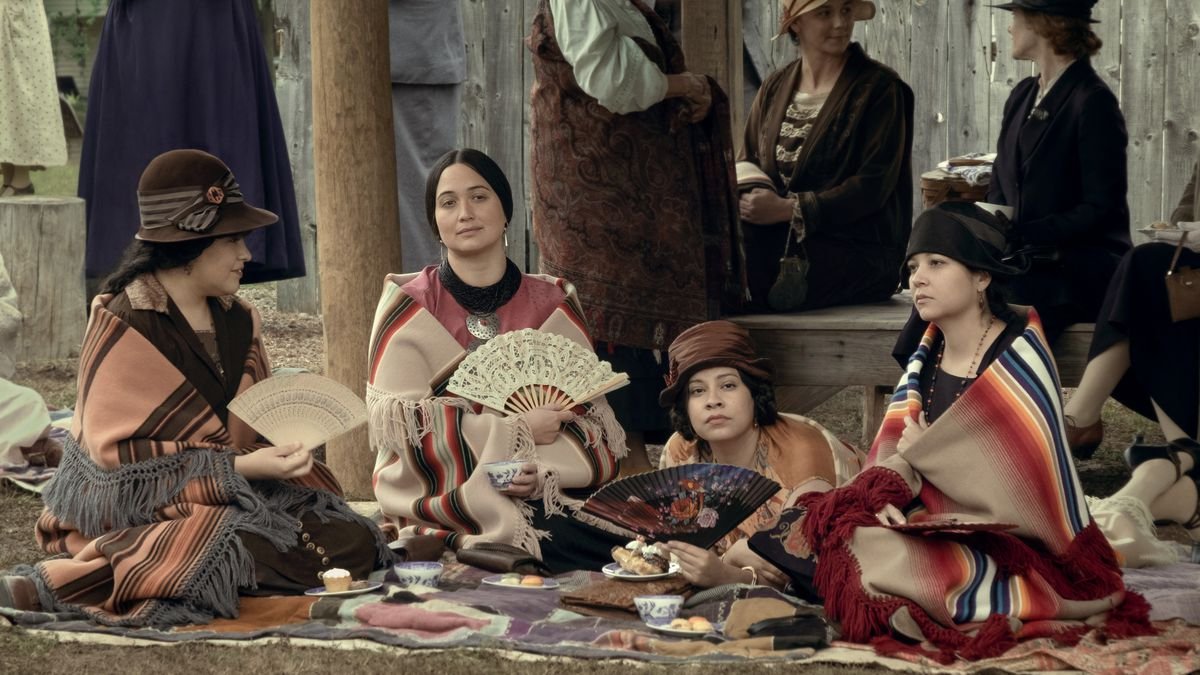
x=190, y=194
x=709, y=345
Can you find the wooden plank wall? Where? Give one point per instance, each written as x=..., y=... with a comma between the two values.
x=956, y=55
x=495, y=111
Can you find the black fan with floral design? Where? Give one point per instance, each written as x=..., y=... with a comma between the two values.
x=693, y=503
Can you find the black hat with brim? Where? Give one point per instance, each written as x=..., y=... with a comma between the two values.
x=1077, y=9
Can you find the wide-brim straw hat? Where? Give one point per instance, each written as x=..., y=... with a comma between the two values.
x=190, y=194
x=864, y=10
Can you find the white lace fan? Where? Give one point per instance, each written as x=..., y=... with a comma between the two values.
x=307, y=408
x=525, y=369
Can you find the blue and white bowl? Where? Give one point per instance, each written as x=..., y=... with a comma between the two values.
x=501, y=474
x=418, y=573
x=658, y=609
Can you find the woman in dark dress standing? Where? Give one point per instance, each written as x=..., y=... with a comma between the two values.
x=184, y=75
x=1061, y=165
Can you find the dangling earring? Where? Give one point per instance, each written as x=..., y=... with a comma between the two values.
x=442, y=244
x=982, y=303
x=505, y=236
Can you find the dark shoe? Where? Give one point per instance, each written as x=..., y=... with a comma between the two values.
x=1139, y=453
x=1190, y=447
x=20, y=593
x=1083, y=441
x=9, y=190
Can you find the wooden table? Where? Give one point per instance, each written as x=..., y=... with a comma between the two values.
x=819, y=353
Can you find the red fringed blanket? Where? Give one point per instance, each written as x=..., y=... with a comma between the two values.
x=997, y=456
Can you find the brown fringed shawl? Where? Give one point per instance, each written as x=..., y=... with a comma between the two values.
x=146, y=505
x=998, y=455
x=429, y=444
x=637, y=210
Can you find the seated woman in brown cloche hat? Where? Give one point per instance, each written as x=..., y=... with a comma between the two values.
x=166, y=507
x=968, y=529
x=722, y=406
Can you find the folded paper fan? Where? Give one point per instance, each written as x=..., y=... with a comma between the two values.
x=693, y=503
x=525, y=369
x=307, y=408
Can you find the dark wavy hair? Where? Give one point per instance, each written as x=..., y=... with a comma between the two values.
x=142, y=257
x=1068, y=35
x=762, y=393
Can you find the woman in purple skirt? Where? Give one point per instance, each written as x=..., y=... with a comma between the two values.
x=185, y=74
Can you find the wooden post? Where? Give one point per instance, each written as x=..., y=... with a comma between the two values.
x=711, y=33
x=357, y=222
x=42, y=239
x=293, y=89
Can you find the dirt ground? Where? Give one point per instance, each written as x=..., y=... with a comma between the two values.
x=296, y=341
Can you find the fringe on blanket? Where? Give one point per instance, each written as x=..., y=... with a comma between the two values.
x=392, y=417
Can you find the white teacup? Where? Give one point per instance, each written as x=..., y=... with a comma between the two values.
x=1006, y=211
x=418, y=573
x=658, y=609
x=501, y=474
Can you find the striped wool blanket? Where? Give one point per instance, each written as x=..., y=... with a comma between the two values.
x=429, y=444
x=146, y=506
x=997, y=456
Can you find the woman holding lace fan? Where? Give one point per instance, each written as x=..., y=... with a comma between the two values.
x=722, y=406
x=165, y=506
x=968, y=530
x=429, y=444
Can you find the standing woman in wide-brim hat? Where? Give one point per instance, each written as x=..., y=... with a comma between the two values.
x=1061, y=164
x=968, y=530
x=166, y=507
x=825, y=168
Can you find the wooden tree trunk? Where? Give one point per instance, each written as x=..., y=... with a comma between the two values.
x=42, y=240
x=357, y=221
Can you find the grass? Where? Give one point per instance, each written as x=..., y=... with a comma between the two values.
x=56, y=181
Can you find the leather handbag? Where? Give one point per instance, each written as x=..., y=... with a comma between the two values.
x=1183, y=287
x=496, y=557
x=418, y=547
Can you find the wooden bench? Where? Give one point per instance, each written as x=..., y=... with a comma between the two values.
x=819, y=353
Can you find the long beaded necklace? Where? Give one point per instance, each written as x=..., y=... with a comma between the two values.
x=970, y=369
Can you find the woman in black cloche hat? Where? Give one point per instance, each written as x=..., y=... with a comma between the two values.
x=1061, y=164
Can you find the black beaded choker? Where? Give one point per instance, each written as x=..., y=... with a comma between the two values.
x=481, y=300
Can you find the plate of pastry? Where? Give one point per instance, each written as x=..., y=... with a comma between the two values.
x=614, y=571
x=696, y=626
x=356, y=587
x=525, y=582
x=639, y=561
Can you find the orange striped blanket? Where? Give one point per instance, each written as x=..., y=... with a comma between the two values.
x=146, y=507
x=998, y=455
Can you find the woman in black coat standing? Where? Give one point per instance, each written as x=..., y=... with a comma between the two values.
x=1061, y=165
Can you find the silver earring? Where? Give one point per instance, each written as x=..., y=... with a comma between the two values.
x=506, y=237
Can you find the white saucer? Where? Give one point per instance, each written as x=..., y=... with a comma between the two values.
x=613, y=571
x=679, y=632
x=365, y=588
x=547, y=583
